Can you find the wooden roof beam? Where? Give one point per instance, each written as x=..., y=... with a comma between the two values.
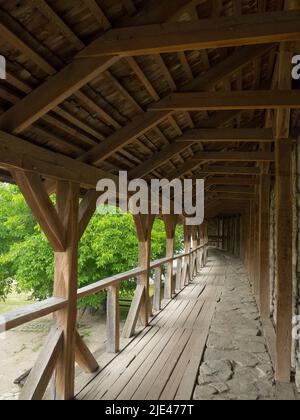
x=237, y=100
x=255, y=135
x=230, y=196
x=235, y=156
x=213, y=170
x=222, y=32
x=16, y=153
x=246, y=181
x=232, y=189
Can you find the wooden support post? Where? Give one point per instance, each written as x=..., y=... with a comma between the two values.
x=242, y=237
x=187, y=247
x=284, y=220
x=220, y=243
x=206, y=243
x=252, y=243
x=226, y=229
x=194, y=247
x=223, y=238
x=170, y=227
x=231, y=234
x=61, y=225
x=65, y=286
x=157, y=291
x=257, y=250
x=113, y=320
x=202, y=229
x=264, y=246
x=235, y=236
x=178, y=285
x=144, y=225
x=218, y=232
x=199, y=253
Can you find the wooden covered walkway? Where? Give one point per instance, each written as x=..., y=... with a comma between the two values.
x=161, y=90
x=162, y=362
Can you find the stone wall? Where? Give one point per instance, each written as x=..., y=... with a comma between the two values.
x=296, y=255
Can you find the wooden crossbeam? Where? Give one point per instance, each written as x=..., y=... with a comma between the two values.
x=239, y=100
x=212, y=170
x=235, y=156
x=228, y=135
x=229, y=170
x=196, y=35
x=231, y=181
x=232, y=189
x=230, y=196
x=16, y=153
x=39, y=378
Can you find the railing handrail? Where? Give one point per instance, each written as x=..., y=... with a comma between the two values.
x=100, y=285
x=38, y=310
x=30, y=313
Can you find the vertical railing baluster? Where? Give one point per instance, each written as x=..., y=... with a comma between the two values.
x=113, y=319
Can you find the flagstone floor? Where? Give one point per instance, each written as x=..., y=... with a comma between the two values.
x=236, y=364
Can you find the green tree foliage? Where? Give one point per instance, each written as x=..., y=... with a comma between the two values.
x=108, y=247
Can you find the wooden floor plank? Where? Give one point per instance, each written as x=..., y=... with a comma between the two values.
x=148, y=355
x=187, y=384
x=149, y=368
x=153, y=386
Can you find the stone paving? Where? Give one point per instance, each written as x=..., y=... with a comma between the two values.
x=236, y=363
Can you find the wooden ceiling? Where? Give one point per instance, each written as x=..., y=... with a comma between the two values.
x=94, y=81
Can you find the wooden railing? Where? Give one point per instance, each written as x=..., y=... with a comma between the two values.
x=188, y=265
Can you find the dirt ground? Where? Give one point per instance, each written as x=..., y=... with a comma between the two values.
x=20, y=348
